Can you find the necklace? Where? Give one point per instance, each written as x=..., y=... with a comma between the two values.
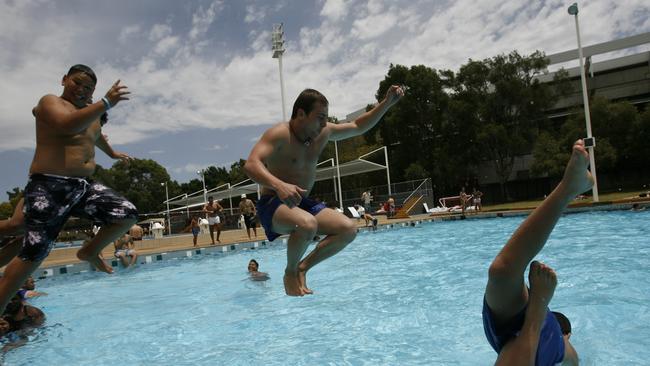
x=306, y=142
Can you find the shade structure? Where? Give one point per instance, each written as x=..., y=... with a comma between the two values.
x=357, y=166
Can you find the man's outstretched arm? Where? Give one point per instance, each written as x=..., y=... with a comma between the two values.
x=103, y=145
x=367, y=120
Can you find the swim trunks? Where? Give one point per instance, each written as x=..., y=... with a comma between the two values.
x=22, y=293
x=196, y=231
x=249, y=221
x=214, y=220
x=550, y=349
x=51, y=199
x=267, y=205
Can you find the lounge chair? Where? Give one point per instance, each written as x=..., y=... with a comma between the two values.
x=354, y=212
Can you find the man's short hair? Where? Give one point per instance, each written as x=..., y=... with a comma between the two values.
x=565, y=324
x=254, y=261
x=210, y=198
x=306, y=101
x=79, y=68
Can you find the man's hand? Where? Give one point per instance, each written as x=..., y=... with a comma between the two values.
x=117, y=93
x=394, y=93
x=122, y=156
x=290, y=194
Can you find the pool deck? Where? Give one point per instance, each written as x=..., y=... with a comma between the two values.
x=64, y=261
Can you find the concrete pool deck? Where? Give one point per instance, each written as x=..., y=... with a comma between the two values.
x=63, y=261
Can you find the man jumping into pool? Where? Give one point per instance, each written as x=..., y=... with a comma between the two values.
x=284, y=162
x=67, y=131
x=516, y=319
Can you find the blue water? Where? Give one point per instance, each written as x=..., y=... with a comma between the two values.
x=409, y=296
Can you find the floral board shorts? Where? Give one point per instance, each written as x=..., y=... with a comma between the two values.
x=51, y=199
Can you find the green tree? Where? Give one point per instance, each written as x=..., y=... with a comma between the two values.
x=237, y=172
x=412, y=127
x=6, y=210
x=139, y=180
x=509, y=103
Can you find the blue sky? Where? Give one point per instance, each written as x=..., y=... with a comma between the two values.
x=203, y=81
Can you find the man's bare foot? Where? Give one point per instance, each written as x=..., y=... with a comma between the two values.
x=96, y=261
x=543, y=280
x=302, y=278
x=577, y=178
x=292, y=284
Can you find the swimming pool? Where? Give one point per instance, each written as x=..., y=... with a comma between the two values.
x=408, y=296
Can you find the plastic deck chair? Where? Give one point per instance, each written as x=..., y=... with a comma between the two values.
x=354, y=212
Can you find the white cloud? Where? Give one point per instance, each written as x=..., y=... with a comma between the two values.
x=127, y=32
x=179, y=82
x=335, y=9
x=254, y=13
x=201, y=20
x=217, y=147
x=188, y=168
x=166, y=45
x=159, y=31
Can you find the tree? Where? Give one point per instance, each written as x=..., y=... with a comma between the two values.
x=619, y=131
x=509, y=102
x=139, y=180
x=412, y=127
x=237, y=173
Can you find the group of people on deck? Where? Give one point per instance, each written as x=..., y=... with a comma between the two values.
x=517, y=321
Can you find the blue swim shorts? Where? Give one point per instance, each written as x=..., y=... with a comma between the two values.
x=267, y=205
x=550, y=350
x=51, y=199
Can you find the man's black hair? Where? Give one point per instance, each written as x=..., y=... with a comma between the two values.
x=79, y=68
x=565, y=324
x=254, y=261
x=306, y=101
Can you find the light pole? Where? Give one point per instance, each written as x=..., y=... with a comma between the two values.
x=573, y=10
x=201, y=174
x=338, y=173
x=169, y=223
x=277, y=42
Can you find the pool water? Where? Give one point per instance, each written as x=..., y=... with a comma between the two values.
x=408, y=296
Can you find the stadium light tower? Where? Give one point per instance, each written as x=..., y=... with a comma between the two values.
x=277, y=42
x=201, y=173
x=169, y=222
x=573, y=10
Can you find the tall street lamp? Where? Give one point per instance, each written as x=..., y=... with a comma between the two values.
x=201, y=174
x=169, y=223
x=277, y=43
x=573, y=10
x=338, y=173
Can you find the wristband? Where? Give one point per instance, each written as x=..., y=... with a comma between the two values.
x=107, y=104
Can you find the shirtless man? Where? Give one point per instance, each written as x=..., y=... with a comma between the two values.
x=213, y=209
x=125, y=248
x=136, y=232
x=196, y=229
x=67, y=131
x=284, y=162
x=516, y=318
x=247, y=209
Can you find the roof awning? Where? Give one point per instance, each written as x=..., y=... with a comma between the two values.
x=358, y=166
